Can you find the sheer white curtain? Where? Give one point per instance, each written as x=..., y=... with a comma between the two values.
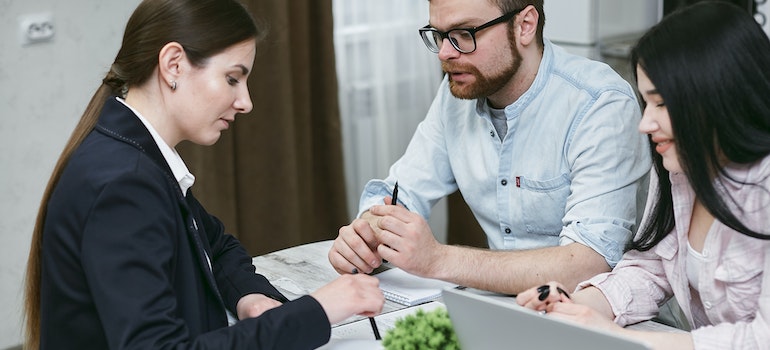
x=387, y=80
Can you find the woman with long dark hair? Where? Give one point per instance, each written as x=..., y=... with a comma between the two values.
x=123, y=256
x=704, y=76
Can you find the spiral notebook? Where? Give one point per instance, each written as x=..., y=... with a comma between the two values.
x=404, y=288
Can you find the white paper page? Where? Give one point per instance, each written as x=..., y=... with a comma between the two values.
x=362, y=329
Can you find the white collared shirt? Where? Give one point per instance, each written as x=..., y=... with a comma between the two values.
x=174, y=161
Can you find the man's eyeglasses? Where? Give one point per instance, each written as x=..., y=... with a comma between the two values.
x=462, y=39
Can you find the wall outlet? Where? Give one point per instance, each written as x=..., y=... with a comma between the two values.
x=36, y=28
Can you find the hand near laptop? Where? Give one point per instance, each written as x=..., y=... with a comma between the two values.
x=541, y=299
x=589, y=307
x=553, y=299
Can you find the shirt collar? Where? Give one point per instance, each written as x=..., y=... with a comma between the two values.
x=543, y=72
x=175, y=162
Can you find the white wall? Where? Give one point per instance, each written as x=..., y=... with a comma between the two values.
x=43, y=90
x=583, y=26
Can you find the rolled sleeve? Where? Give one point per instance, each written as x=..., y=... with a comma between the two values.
x=374, y=193
x=620, y=293
x=607, y=236
x=621, y=299
x=635, y=289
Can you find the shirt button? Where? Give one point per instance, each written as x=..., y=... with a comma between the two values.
x=707, y=305
x=504, y=182
x=508, y=230
x=492, y=133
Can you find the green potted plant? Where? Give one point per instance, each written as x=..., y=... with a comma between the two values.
x=422, y=330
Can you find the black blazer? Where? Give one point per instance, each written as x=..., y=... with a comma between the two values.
x=123, y=263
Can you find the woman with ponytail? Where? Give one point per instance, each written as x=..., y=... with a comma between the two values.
x=123, y=256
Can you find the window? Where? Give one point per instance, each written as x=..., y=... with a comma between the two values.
x=387, y=80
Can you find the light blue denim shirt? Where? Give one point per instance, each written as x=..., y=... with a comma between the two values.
x=571, y=168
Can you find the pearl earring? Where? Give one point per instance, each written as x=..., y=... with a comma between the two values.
x=173, y=85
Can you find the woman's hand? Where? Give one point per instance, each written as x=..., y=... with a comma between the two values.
x=253, y=305
x=553, y=300
x=350, y=295
x=543, y=298
x=583, y=315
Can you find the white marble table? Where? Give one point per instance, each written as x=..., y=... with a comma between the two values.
x=300, y=270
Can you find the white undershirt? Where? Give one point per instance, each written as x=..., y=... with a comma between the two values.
x=694, y=262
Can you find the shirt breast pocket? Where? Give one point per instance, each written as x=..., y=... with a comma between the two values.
x=739, y=276
x=541, y=203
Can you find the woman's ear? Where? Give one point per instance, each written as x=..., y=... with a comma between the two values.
x=171, y=63
x=528, y=19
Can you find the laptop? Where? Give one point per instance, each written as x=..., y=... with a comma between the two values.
x=491, y=322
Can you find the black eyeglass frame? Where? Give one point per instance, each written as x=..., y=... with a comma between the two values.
x=427, y=32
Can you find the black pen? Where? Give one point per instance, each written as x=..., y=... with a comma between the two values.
x=371, y=319
x=394, y=197
x=376, y=331
x=393, y=201
x=374, y=328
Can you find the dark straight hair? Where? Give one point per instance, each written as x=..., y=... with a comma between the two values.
x=204, y=28
x=710, y=62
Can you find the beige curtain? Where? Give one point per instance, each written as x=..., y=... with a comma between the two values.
x=276, y=177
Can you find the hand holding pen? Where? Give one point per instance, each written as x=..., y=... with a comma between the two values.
x=375, y=330
x=347, y=252
x=394, y=197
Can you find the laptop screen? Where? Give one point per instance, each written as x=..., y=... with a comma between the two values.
x=490, y=322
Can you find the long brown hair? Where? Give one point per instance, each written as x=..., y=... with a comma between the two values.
x=203, y=27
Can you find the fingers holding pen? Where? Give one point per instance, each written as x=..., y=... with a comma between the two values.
x=356, y=246
x=390, y=227
x=407, y=240
x=401, y=229
x=350, y=295
x=353, y=249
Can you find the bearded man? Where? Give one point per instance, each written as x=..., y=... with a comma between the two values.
x=541, y=143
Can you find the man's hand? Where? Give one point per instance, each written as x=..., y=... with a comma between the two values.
x=356, y=247
x=406, y=240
